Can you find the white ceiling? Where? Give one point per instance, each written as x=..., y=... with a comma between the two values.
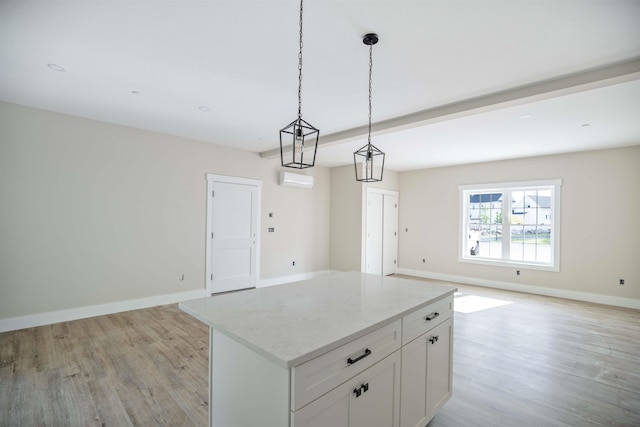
x=453, y=81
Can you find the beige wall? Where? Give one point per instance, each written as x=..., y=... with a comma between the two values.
x=301, y=223
x=600, y=210
x=346, y=219
x=93, y=213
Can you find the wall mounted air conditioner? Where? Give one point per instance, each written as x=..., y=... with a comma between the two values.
x=289, y=179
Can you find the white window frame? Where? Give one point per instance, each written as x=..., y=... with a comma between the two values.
x=465, y=190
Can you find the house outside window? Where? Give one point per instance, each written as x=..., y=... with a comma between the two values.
x=511, y=224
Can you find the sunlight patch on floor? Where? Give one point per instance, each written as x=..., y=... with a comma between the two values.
x=473, y=303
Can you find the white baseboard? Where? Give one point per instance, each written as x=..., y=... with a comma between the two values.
x=530, y=289
x=293, y=278
x=41, y=319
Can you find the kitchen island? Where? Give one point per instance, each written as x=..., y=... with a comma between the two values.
x=330, y=351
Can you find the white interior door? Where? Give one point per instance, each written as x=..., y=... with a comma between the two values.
x=381, y=235
x=233, y=235
x=390, y=234
x=373, y=247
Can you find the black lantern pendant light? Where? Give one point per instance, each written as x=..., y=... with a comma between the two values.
x=299, y=140
x=369, y=161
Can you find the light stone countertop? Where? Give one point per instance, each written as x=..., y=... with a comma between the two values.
x=295, y=322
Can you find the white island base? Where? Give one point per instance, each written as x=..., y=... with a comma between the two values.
x=348, y=349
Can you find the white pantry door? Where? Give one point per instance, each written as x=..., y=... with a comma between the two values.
x=233, y=234
x=381, y=232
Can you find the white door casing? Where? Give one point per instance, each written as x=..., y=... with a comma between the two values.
x=233, y=233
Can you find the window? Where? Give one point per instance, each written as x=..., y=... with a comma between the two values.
x=511, y=224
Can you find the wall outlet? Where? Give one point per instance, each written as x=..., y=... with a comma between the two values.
x=293, y=263
x=622, y=281
x=517, y=272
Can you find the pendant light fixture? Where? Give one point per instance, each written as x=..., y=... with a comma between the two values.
x=299, y=140
x=369, y=161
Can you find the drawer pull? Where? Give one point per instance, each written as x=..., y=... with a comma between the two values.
x=366, y=353
x=432, y=316
x=362, y=389
x=433, y=340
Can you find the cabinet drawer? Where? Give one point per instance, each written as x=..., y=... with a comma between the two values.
x=316, y=377
x=422, y=320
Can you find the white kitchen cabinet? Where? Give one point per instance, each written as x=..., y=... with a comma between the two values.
x=370, y=399
x=427, y=364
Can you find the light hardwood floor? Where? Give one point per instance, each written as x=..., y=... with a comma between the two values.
x=537, y=361
x=144, y=367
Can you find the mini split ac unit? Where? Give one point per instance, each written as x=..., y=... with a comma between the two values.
x=289, y=179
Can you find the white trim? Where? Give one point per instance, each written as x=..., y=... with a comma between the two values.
x=512, y=185
x=383, y=191
x=530, y=289
x=233, y=179
x=292, y=278
x=41, y=319
x=211, y=178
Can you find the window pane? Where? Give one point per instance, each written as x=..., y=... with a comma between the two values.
x=516, y=249
x=496, y=215
x=474, y=215
x=544, y=207
x=530, y=212
x=544, y=245
x=529, y=243
x=517, y=207
x=473, y=240
x=491, y=242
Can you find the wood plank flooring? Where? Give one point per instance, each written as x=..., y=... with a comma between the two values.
x=537, y=361
x=144, y=367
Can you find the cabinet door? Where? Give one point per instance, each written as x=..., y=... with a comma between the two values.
x=440, y=366
x=413, y=394
x=426, y=375
x=371, y=399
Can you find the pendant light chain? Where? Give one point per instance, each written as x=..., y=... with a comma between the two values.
x=299, y=139
x=300, y=68
x=370, y=81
